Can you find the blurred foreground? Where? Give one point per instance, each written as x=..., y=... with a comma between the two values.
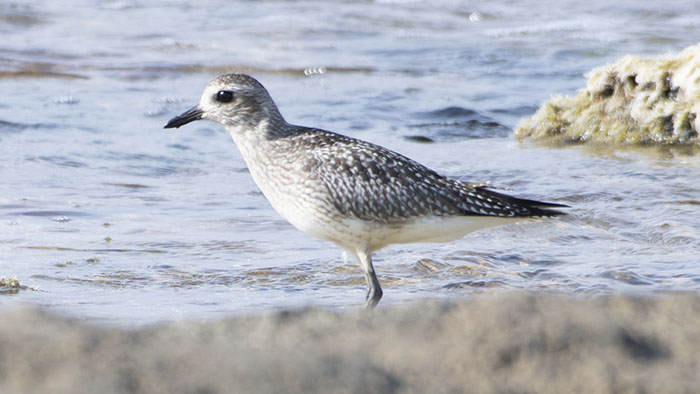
x=520, y=342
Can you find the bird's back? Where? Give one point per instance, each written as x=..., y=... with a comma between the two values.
x=368, y=182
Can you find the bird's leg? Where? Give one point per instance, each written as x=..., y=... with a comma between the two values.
x=374, y=290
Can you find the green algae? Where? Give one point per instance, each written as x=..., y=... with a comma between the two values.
x=635, y=101
x=11, y=285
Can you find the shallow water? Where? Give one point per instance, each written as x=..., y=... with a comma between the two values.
x=105, y=215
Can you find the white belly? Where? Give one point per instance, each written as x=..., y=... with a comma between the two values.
x=354, y=234
x=432, y=229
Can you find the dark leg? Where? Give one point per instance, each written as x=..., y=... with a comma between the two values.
x=374, y=290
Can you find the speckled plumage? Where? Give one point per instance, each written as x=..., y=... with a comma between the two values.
x=354, y=193
x=368, y=182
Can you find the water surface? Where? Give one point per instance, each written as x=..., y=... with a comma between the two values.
x=105, y=215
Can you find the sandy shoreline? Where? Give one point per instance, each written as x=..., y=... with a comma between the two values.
x=516, y=343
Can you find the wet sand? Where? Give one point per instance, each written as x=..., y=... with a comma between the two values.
x=515, y=343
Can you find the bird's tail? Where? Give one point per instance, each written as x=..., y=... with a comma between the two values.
x=535, y=208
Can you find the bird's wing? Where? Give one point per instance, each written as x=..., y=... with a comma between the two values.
x=370, y=182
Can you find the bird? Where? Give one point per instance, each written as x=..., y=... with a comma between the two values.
x=351, y=192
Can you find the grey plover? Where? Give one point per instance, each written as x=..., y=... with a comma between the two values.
x=358, y=195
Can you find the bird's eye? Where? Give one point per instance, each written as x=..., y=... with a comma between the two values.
x=224, y=96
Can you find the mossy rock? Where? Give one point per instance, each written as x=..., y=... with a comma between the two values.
x=635, y=101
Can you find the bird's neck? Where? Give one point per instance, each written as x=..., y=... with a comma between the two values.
x=255, y=141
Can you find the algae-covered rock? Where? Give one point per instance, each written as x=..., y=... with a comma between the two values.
x=9, y=285
x=634, y=101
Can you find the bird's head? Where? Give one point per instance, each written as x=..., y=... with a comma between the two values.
x=237, y=101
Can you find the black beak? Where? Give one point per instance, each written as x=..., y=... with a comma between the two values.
x=186, y=117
